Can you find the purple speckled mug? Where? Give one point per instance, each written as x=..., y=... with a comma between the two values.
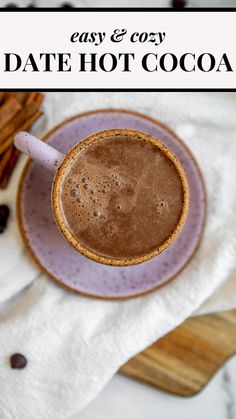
x=58, y=163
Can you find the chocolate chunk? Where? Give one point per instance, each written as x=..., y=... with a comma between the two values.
x=4, y=210
x=4, y=214
x=179, y=4
x=18, y=361
x=2, y=227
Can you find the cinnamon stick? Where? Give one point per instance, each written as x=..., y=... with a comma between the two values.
x=24, y=126
x=26, y=112
x=10, y=157
x=4, y=161
x=2, y=96
x=21, y=97
x=36, y=98
x=8, y=110
x=10, y=162
x=18, y=111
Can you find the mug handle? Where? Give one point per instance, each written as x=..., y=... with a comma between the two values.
x=38, y=150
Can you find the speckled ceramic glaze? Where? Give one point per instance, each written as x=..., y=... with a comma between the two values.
x=66, y=265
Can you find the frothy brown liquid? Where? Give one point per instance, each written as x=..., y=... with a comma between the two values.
x=122, y=197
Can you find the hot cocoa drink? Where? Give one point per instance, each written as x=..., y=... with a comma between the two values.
x=122, y=197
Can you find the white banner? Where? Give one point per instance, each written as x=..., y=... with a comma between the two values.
x=117, y=50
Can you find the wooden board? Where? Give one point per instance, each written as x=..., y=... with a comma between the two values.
x=183, y=361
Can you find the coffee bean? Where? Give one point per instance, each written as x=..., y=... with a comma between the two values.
x=4, y=214
x=18, y=361
x=179, y=4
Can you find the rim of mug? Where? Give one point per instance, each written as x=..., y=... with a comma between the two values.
x=60, y=218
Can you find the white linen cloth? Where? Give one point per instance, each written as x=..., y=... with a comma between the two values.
x=74, y=344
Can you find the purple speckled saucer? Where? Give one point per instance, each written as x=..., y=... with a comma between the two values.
x=68, y=267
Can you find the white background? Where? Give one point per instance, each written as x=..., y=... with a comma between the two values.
x=193, y=32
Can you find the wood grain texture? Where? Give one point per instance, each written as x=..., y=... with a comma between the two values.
x=183, y=361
